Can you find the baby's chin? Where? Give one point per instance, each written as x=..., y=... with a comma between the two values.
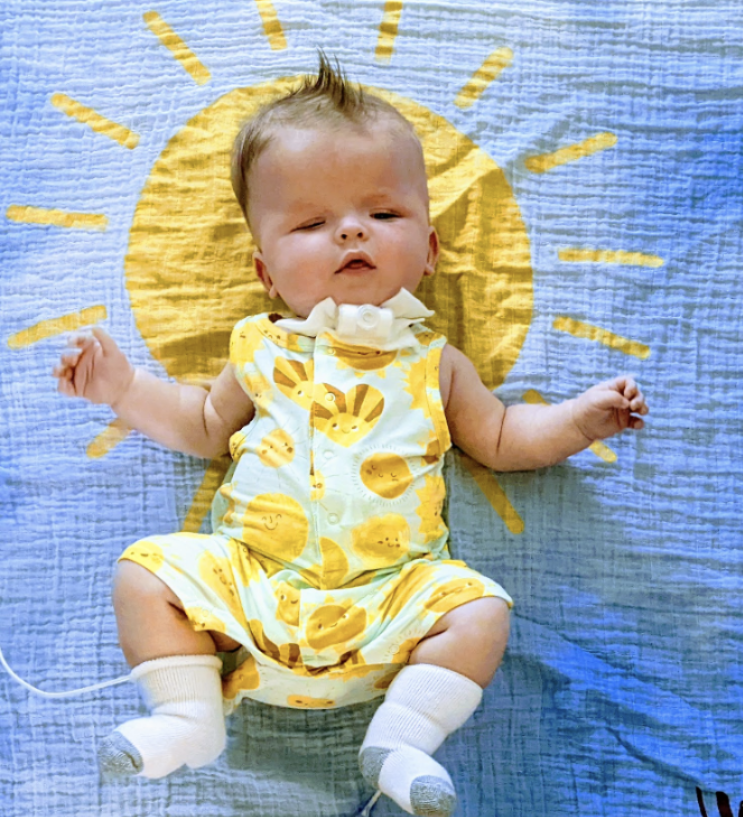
x=302, y=310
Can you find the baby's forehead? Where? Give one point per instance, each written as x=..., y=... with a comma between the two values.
x=395, y=133
x=387, y=144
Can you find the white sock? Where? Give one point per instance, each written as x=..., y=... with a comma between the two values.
x=186, y=725
x=424, y=704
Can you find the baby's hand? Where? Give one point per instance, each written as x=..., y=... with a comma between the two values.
x=609, y=408
x=94, y=368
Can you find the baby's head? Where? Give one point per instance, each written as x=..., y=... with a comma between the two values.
x=332, y=183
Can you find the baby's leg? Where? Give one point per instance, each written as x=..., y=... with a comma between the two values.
x=178, y=673
x=151, y=620
x=428, y=700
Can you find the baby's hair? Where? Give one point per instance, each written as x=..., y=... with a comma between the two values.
x=328, y=100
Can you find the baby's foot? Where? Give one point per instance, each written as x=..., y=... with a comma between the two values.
x=413, y=779
x=118, y=757
x=156, y=746
x=186, y=727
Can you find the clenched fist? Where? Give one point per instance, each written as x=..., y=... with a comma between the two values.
x=93, y=368
x=610, y=407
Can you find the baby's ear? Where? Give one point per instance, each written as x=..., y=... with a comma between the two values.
x=262, y=272
x=433, y=252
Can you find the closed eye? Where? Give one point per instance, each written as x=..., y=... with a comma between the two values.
x=311, y=226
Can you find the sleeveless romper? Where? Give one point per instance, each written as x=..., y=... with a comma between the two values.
x=329, y=558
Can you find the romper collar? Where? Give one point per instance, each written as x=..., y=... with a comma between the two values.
x=385, y=327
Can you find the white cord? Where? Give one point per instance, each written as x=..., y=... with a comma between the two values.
x=370, y=805
x=121, y=680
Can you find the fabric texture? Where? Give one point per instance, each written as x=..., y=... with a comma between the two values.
x=585, y=163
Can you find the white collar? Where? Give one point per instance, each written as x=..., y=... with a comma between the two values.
x=384, y=327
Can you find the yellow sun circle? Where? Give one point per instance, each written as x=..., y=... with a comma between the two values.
x=189, y=271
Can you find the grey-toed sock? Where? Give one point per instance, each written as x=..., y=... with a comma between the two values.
x=186, y=724
x=423, y=705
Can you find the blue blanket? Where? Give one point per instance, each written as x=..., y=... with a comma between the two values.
x=606, y=148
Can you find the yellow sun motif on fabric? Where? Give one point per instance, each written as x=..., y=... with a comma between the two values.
x=294, y=379
x=416, y=385
x=187, y=225
x=145, y=553
x=386, y=474
x=334, y=625
x=432, y=496
x=402, y=654
x=245, y=342
x=333, y=566
x=287, y=654
x=261, y=391
x=216, y=573
x=244, y=678
x=287, y=609
x=363, y=359
x=205, y=620
x=317, y=484
x=243, y=566
x=188, y=263
x=401, y=589
x=306, y=702
x=277, y=525
x=382, y=541
x=346, y=418
x=277, y=449
x=455, y=593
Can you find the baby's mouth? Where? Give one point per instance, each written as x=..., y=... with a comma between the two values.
x=357, y=262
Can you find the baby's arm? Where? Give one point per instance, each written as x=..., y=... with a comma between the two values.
x=522, y=437
x=182, y=417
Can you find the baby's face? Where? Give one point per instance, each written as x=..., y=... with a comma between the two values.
x=341, y=213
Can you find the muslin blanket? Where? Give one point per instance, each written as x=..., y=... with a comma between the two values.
x=586, y=162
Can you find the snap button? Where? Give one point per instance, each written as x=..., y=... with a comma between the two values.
x=331, y=352
x=330, y=397
x=328, y=455
x=367, y=316
x=333, y=518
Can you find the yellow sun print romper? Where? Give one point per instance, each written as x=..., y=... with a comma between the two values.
x=329, y=559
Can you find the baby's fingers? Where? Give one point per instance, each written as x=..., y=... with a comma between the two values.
x=65, y=385
x=638, y=404
x=69, y=359
x=80, y=340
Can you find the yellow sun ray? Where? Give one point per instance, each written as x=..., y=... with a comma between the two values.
x=95, y=121
x=388, y=30
x=600, y=449
x=204, y=495
x=571, y=153
x=56, y=326
x=114, y=433
x=495, y=495
x=585, y=330
x=485, y=74
x=190, y=62
x=271, y=24
x=56, y=218
x=633, y=259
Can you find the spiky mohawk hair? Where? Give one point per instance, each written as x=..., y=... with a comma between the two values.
x=327, y=100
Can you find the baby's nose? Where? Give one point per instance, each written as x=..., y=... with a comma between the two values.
x=349, y=229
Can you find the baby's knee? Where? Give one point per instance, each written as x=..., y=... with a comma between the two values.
x=133, y=583
x=494, y=617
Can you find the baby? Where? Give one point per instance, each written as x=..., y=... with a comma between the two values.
x=328, y=567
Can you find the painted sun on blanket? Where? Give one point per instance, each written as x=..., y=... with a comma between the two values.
x=187, y=227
